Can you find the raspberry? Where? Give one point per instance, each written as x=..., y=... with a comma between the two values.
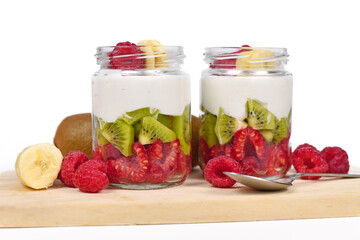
x=284, y=144
x=228, y=63
x=250, y=166
x=91, y=176
x=229, y=151
x=112, y=152
x=131, y=62
x=99, y=153
x=337, y=159
x=249, y=142
x=155, y=150
x=214, y=169
x=204, y=150
x=278, y=161
x=70, y=163
x=305, y=145
x=309, y=160
x=216, y=151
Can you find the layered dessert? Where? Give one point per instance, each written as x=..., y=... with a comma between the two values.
x=141, y=116
x=246, y=111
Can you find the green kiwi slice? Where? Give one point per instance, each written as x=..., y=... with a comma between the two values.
x=225, y=127
x=137, y=128
x=280, y=131
x=268, y=135
x=151, y=129
x=208, y=122
x=134, y=116
x=101, y=125
x=120, y=135
x=181, y=125
x=165, y=119
x=258, y=116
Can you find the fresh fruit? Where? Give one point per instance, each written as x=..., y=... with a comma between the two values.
x=120, y=135
x=75, y=133
x=280, y=131
x=337, y=159
x=129, y=169
x=125, y=56
x=205, y=151
x=278, y=161
x=37, y=166
x=249, y=142
x=165, y=119
x=268, y=135
x=70, y=163
x=251, y=166
x=229, y=63
x=182, y=127
x=217, y=150
x=258, y=116
x=195, y=125
x=134, y=116
x=255, y=59
x=112, y=152
x=225, y=127
x=91, y=176
x=155, y=60
x=305, y=145
x=309, y=160
x=207, y=127
x=151, y=129
x=214, y=169
x=155, y=151
x=101, y=140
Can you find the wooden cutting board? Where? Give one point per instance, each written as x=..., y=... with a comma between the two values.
x=194, y=201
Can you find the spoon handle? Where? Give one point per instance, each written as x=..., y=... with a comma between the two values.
x=342, y=175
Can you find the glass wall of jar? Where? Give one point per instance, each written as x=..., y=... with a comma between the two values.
x=246, y=102
x=141, y=115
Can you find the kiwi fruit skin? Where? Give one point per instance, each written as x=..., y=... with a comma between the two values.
x=280, y=131
x=121, y=136
x=258, y=116
x=75, y=133
x=151, y=129
x=225, y=127
x=208, y=121
x=181, y=125
x=134, y=116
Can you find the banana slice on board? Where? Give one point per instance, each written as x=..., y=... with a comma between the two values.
x=37, y=166
x=154, y=61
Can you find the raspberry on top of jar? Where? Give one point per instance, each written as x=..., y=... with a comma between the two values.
x=246, y=99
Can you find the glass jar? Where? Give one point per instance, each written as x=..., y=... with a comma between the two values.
x=141, y=116
x=246, y=101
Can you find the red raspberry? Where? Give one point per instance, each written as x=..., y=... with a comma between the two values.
x=112, y=152
x=284, y=144
x=131, y=62
x=217, y=150
x=305, y=145
x=229, y=150
x=337, y=159
x=228, y=63
x=91, y=176
x=251, y=166
x=214, y=169
x=309, y=160
x=99, y=153
x=205, y=151
x=249, y=142
x=278, y=161
x=155, y=150
x=70, y=163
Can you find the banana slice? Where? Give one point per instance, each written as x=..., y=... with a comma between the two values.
x=255, y=59
x=154, y=61
x=37, y=166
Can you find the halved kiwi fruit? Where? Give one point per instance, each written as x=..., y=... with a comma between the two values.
x=280, y=131
x=258, y=116
x=120, y=135
x=151, y=129
x=225, y=127
x=208, y=121
x=134, y=116
x=181, y=125
x=165, y=119
x=268, y=135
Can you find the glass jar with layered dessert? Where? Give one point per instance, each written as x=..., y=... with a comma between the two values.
x=141, y=115
x=246, y=101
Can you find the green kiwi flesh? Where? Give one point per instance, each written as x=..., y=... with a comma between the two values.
x=258, y=116
x=225, y=127
x=121, y=136
x=268, y=135
x=165, y=119
x=134, y=116
x=208, y=122
x=181, y=125
x=280, y=131
x=151, y=129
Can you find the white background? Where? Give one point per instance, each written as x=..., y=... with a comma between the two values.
x=47, y=59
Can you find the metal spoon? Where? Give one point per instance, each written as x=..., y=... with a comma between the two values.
x=270, y=185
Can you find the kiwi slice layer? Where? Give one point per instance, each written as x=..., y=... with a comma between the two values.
x=182, y=127
x=268, y=135
x=207, y=127
x=280, y=131
x=120, y=135
x=134, y=116
x=258, y=116
x=151, y=129
x=225, y=127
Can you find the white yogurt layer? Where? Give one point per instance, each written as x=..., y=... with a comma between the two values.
x=113, y=94
x=231, y=93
